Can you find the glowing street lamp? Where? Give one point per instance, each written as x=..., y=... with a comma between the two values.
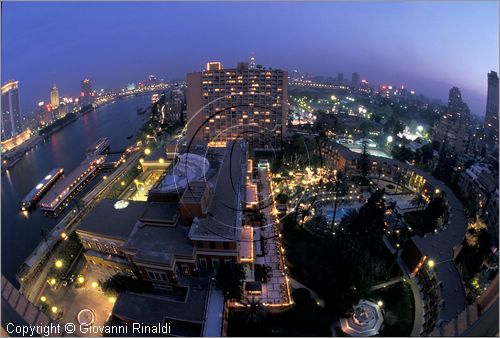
x=380, y=303
x=112, y=300
x=52, y=281
x=59, y=264
x=43, y=299
x=81, y=280
x=390, y=139
x=147, y=151
x=431, y=263
x=94, y=285
x=54, y=309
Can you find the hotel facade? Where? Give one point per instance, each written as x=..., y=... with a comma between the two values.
x=244, y=102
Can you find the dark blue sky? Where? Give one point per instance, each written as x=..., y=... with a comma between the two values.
x=426, y=46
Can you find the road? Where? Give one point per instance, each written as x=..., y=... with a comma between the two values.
x=67, y=224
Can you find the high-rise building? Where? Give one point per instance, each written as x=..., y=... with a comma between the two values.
x=355, y=80
x=491, y=117
x=227, y=104
x=456, y=106
x=54, y=97
x=86, y=92
x=340, y=78
x=452, y=129
x=252, y=63
x=11, y=111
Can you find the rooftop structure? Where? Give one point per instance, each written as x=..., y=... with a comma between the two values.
x=224, y=212
x=113, y=218
x=186, y=316
x=366, y=320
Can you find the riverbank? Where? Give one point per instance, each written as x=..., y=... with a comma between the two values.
x=12, y=157
x=66, y=148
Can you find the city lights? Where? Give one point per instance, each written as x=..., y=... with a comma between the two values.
x=315, y=202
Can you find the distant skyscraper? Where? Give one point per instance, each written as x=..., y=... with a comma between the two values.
x=355, y=80
x=452, y=129
x=491, y=117
x=252, y=63
x=54, y=97
x=86, y=92
x=227, y=104
x=11, y=111
x=456, y=106
x=340, y=78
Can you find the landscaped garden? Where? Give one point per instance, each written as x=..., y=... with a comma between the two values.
x=398, y=309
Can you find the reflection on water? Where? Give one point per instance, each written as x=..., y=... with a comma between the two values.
x=21, y=232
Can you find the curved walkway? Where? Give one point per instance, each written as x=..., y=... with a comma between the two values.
x=440, y=246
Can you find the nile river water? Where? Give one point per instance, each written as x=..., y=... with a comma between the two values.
x=65, y=148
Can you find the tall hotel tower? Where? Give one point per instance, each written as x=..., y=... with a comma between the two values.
x=11, y=111
x=242, y=102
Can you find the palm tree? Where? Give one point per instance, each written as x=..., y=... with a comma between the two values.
x=417, y=201
x=255, y=311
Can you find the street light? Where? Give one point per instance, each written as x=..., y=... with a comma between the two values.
x=380, y=303
x=59, y=264
x=431, y=263
x=43, y=299
x=147, y=151
x=112, y=299
x=52, y=281
x=54, y=309
x=94, y=285
x=81, y=279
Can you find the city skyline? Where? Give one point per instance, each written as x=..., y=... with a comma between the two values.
x=441, y=55
x=250, y=169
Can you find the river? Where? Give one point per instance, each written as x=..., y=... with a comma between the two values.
x=65, y=148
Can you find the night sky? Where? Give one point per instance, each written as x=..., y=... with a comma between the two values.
x=426, y=46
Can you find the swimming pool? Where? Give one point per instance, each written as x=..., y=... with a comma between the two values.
x=341, y=212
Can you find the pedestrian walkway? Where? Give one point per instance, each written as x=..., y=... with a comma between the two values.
x=276, y=290
x=214, y=313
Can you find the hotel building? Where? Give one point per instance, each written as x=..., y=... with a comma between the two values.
x=242, y=102
x=11, y=111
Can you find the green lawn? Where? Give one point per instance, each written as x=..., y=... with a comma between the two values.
x=398, y=307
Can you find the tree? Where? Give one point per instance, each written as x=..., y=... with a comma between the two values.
x=364, y=162
x=229, y=279
x=417, y=201
x=427, y=153
x=402, y=153
x=435, y=210
x=120, y=283
x=255, y=312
